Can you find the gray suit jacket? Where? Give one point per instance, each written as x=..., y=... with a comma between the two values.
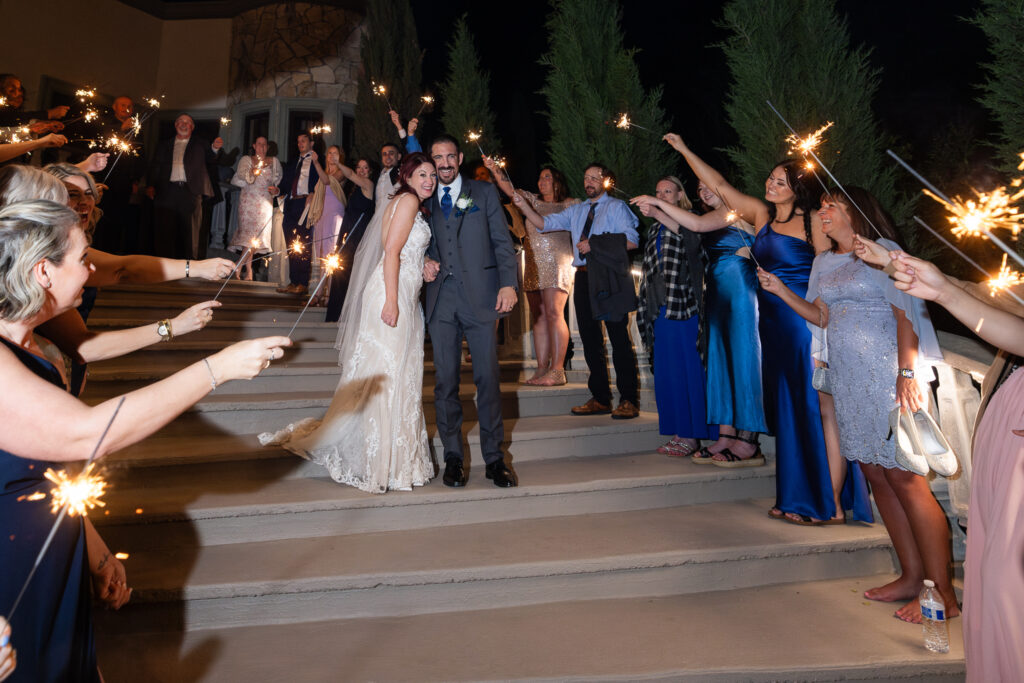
x=482, y=256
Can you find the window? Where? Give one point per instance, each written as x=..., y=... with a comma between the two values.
x=299, y=122
x=257, y=125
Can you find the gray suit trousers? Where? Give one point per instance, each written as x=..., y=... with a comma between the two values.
x=452, y=318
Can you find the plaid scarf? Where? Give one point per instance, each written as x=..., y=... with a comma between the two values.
x=681, y=268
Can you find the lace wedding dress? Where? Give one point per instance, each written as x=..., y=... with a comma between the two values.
x=374, y=436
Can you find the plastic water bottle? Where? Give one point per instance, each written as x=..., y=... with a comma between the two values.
x=933, y=619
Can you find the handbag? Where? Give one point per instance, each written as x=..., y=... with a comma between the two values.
x=822, y=377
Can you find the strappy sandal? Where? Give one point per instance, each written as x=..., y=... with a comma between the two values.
x=732, y=460
x=677, y=448
x=702, y=457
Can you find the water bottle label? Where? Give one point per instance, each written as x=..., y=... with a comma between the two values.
x=933, y=613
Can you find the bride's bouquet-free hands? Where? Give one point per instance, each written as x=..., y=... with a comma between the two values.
x=389, y=314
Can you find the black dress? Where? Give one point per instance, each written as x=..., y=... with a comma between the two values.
x=358, y=213
x=52, y=628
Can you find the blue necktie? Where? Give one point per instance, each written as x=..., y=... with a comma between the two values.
x=446, y=203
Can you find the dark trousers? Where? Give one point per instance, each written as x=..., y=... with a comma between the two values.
x=627, y=378
x=178, y=217
x=451, y=319
x=300, y=266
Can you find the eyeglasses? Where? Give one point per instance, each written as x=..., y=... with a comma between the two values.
x=595, y=178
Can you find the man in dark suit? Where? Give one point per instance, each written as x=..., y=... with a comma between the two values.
x=298, y=182
x=179, y=179
x=472, y=281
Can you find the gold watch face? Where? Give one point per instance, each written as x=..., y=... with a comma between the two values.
x=161, y=329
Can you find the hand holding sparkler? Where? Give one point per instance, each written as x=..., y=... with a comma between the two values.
x=381, y=90
x=95, y=162
x=194, y=318
x=211, y=268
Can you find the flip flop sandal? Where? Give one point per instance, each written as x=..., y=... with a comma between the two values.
x=702, y=457
x=801, y=520
x=776, y=513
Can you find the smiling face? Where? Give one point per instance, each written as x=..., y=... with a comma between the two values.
x=835, y=219
x=593, y=182
x=546, y=183
x=123, y=108
x=259, y=146
x=667, y=191
x=184, y=125
x=708, y=196
x=80, y=198
x=389, y=156
x=777, y=189
x=423, y=180
x=447, y=158
x=12, y=90
x=363, y=168
x=68, y=277
x=333, y=155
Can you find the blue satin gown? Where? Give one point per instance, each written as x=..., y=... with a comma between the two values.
x=803, y=483
x=734, y=394
x=52, y=628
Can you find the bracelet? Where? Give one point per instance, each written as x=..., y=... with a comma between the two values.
x=186, y=267
x=213, y=378
x=907, y=373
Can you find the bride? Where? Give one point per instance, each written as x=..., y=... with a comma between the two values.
x=374, y=436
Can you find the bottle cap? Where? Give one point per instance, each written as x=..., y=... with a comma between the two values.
x=928, y=583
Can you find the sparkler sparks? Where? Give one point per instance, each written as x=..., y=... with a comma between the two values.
x=331, y=263
x=151, y=102
x=80, y=493
x=381, y=90
x=3, y=101
x=809, y=144
x=1004, y=279
x=320, y=130
x=225, y=122
x=624, y=122
x=297, y=246
x=474, y=137
x=85, y=93
x=988, y=211
x=428, y=101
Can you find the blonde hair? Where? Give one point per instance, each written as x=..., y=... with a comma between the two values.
x=20, y=183
x=684, y=201
x=30, y=232
x=63, y=171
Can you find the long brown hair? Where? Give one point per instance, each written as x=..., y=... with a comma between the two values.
x=858, y=196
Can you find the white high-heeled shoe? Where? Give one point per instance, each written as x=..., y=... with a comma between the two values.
x=921, y=445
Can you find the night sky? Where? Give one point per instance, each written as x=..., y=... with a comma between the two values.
x=928, y=54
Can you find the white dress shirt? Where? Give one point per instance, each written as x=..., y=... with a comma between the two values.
x=302, y=188
x=178, y=161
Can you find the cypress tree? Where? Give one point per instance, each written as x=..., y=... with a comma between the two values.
x=1002, y=21
x=465, y=95
x=591, y=79
x=391, y=57
x=797, y=54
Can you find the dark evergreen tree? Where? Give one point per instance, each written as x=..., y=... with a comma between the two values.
x=391, y=57
x=797, y=54
x=465, y=96
x=592, y=78
x=1002, y=21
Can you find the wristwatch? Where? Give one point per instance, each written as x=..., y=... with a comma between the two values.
x=163, y=328
x=907, y=372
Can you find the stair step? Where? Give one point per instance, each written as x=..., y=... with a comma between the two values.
x=526, y=438
x=662, y=551
x=221, y=503
x=807, y=631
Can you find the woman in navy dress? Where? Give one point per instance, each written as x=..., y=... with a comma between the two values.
x=358, y=212
x=43, y=268
x=807, y=483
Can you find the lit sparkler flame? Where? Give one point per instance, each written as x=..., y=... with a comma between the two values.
x=474, y=135
x=254, y=242
x=151, y=102
x=809, y=144
x=987, y=212
x=90, y=115
x=122, y=556
x=380, y=90
x=3, y=101
x=623, y=122
x=1004, y=279
x=136, y=125
x=80, y=493
x=85, y=93
x=427, y=99
x=331, y=262
x=297, y=246
x=318, y=130
x=607, y=182
x=731, y=217
x=809, y=165
x=38, y=495
x=225, y=121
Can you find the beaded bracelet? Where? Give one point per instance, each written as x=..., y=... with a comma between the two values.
x=213, y=378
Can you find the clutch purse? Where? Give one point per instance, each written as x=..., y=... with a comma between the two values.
x=822, y=379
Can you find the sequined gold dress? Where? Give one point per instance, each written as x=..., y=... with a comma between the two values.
x=548, y=256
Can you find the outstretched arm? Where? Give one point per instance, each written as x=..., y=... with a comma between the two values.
x=750, y=209
x=15, y=149
x=140, y=269
x=922, y=279
x=499, y=175
x=709, y=222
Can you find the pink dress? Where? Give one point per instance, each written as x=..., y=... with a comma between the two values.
x=255, y=204
x=994, y=568
x=325, y=233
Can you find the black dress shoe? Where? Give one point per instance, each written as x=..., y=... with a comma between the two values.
x=454, y=474
x=502, y=475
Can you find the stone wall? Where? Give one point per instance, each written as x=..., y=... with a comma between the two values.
x=295, y=50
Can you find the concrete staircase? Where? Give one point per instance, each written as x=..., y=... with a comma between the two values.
x=608, y=562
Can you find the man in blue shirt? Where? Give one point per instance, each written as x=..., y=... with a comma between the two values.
x=600, y=214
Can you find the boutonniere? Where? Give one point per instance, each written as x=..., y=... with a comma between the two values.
x=464, y=204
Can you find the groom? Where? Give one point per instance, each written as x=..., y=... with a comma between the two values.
x=472, y=279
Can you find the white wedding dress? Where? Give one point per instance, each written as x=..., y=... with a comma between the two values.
x=374, y=436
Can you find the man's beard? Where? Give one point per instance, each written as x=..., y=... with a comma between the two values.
x=592, y=192
x=442, y=172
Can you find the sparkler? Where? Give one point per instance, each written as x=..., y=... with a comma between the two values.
x=973, y=263
x=79, y=494
x=428, y=101
x=331, y=263
x=625, y=123
x=3, y=101
x=151, y=102
x=972, y=219
x=70, y=495
x=1004, y=279
x=382, y=91
x=225, y=122
x=320, y=130
x=808, y=149
x=807, y=145
x=238, y=264
x=474, y=137
x=85, y=93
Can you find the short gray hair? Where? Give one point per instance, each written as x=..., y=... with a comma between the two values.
x=19, y=183
x=30, y=232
